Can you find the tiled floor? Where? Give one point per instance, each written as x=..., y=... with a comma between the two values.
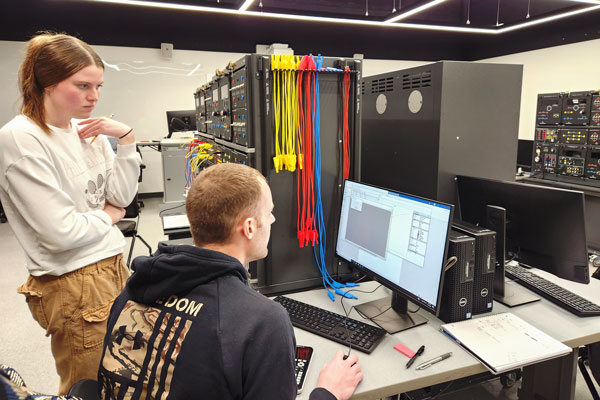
x=24, y=346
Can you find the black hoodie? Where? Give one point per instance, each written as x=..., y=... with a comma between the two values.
x=188, y=326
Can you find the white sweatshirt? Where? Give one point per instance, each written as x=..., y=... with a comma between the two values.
x=53, y=189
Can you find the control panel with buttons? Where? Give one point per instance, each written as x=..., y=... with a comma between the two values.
x=549, y=109
x=595, y=115
x=547, y=135
x=571, y=160
x=592, y=163
x=200, y=100
x=573, y=136
x=576, y=108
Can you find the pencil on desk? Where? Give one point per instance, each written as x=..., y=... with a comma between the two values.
x=96, y=137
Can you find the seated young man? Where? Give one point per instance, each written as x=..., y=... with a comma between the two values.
x=188, y=326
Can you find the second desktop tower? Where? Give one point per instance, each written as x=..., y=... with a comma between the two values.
x=485, y=264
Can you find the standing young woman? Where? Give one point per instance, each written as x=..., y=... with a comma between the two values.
x=63, y=191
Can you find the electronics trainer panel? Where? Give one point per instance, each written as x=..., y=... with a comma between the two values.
x=567, y=137
x=247, y=114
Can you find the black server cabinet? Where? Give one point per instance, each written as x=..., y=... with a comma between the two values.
x=424, y=125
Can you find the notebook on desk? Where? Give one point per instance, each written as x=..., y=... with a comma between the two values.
x=503, y=342
x=178, y=221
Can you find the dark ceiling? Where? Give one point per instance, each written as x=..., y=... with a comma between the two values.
x=127, y=25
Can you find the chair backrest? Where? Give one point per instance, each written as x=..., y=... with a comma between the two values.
x=133, y=209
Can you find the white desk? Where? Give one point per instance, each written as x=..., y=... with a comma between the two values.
x=384, y=370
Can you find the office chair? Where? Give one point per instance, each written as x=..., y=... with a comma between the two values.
x=131, y=221
x=129, y=226
x=2, y=215
x=590, y=355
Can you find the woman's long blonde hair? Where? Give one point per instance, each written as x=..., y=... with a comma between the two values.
x=50, y=58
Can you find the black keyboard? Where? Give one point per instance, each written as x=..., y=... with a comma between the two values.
x=551, y=291
x=330, y=325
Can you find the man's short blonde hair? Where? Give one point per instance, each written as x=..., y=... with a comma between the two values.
x=219, y=198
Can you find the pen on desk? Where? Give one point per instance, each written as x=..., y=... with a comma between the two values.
x=429, y=363
x=96, y=137
x=417, y=354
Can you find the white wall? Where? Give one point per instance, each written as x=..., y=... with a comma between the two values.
x=568, y=68
x=145, y=86
x=375, y=67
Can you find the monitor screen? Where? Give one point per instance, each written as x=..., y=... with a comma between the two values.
x=545, y=226
x=396, y=238
x=524, y=154
x=181, y=121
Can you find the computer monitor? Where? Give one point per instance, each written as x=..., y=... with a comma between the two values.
x=399, y=240
x=181, y=121
x=524, y=154
x=545, y=226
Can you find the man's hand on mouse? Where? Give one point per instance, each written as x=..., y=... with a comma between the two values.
x=341, y=375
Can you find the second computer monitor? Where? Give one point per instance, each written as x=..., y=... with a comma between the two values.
x=398, y=239
x=181, y=121
x=545, y=226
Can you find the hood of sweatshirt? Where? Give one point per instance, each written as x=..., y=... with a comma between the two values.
x=178, y=269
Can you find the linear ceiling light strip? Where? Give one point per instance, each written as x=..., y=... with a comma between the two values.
x=388, y=24
x=414, y=11
x=547, y=19
x=246, y=4
x=185, y=7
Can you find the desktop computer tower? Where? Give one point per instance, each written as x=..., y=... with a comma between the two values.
x=422, y=126
x=485, y=264
x=457, y=293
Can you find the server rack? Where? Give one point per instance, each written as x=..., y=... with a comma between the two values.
x=241, y=125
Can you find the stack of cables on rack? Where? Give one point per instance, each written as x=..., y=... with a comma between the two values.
x=200, y=155
x=298, y=148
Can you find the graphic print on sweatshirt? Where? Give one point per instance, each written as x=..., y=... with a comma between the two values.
x=94, y=194
x=143, y=348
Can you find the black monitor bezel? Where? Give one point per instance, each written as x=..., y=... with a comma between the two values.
x=179, y=114
x=390, y=285
x=529, y=256
x=524, y=150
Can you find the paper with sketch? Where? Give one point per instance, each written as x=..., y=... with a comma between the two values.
x=503, y=342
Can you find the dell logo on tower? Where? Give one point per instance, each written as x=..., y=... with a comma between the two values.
x=484, y=292
x=462, y=302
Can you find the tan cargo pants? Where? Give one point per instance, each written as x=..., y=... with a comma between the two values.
x=73, y=309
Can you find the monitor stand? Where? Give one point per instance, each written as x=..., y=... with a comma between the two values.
x=514, y=295
x=391, y=313
x=506, y=292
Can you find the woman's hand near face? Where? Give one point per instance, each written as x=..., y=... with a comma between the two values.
x=101, y=126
